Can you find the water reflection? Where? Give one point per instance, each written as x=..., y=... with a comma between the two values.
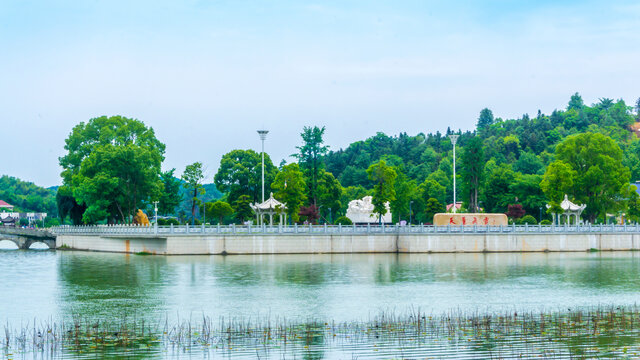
x=327, y=287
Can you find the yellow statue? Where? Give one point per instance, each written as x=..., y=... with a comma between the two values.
x=141, y=219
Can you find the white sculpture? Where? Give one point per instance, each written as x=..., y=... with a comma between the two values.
x=361, y=212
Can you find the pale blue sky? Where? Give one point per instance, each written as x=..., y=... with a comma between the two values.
x=206, y=74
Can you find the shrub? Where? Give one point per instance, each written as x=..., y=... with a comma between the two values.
x=343, y=220
x=166, y=222
x=545, y=222
x=527, y=219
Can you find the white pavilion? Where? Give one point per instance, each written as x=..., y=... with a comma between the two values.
x=270, y=207
x=569, y=210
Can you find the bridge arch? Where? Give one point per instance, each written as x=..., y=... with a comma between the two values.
x=8, y=244
x=39, y=245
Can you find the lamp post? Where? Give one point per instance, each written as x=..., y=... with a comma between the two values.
x=263, y=136
x=540, y=216
x=454, y=139
x=329, y=216
x=410, y=212
x=155, y=209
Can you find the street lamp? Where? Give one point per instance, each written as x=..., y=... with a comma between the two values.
x=454, y=139
x=540, y=216
x=329, y=216
x=263, y=136
x=155, y=209
x=410, y=212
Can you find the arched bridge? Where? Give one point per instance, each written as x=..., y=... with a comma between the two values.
x=23, y=238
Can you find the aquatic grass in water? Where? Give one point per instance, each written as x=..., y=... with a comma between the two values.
x=604, y=332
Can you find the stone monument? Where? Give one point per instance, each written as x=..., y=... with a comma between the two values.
x=361, y=212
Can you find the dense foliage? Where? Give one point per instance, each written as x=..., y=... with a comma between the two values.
x=112, y=168
x=27, y=197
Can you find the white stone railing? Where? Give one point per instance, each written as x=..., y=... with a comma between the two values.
x=336, y=229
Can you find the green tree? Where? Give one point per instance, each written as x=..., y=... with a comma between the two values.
x=576, y=102
x=383, y=178
x=170, y=197
x=289, y=187
x=432, y=189
x=240, y=173
x=601, y=181
x=433, y=207
x=526, y=188
x=242, y=208
x=219, y=210
x=406, y=191
x=557, y=181
x=485, y=119
x=310, y=160
x=472, y=170
x=496, y=194
x=112, y=167
x=192, y=177
x=329, y=194
x=68, y=206
x=529, y=163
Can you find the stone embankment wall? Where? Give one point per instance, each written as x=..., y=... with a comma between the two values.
x=343, y=243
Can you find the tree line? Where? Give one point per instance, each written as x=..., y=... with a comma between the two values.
x=514, y=166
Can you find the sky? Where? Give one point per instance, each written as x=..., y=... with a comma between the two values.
x=207, y=74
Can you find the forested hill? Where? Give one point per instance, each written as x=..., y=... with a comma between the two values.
x=27, y=197
x=523, y=146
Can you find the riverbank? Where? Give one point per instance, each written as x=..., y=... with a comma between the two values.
x=313, y=243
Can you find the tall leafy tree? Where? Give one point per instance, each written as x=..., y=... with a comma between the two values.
x=433, y=207
x=289, y=187
x=406, y=191
x=557, y=181
x=240, y=173
x=192, y=177
x=485, y=119
x=329, y=194
x=170, y=197
x=383, y=178
x=601, y=181
x=472, y=170
x=576, y=102
x=112, y=167
x=310, y=159
x=242, y=208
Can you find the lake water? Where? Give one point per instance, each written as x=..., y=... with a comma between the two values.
x=59, y=284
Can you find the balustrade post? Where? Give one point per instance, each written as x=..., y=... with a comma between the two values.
x=295, y=228
x=325, y=228
x=171, y=229
x=340, y=228
x=233, y=228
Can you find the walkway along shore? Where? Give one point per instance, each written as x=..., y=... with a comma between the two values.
x=321, y=239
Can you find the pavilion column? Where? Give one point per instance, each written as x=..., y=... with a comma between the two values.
x=271, y=218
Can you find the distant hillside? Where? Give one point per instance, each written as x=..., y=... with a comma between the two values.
x=27, y=197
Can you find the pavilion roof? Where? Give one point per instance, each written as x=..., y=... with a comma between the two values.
x=269, y=204
x=567, y=205
x=5, y=204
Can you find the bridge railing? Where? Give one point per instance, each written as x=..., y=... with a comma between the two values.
x=335, y=229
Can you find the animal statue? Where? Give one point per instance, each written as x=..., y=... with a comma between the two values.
x=141, y=219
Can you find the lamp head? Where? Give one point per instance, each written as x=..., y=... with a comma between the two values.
x=263, y=134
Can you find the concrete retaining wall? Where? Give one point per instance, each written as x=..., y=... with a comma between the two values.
x=381, y=243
